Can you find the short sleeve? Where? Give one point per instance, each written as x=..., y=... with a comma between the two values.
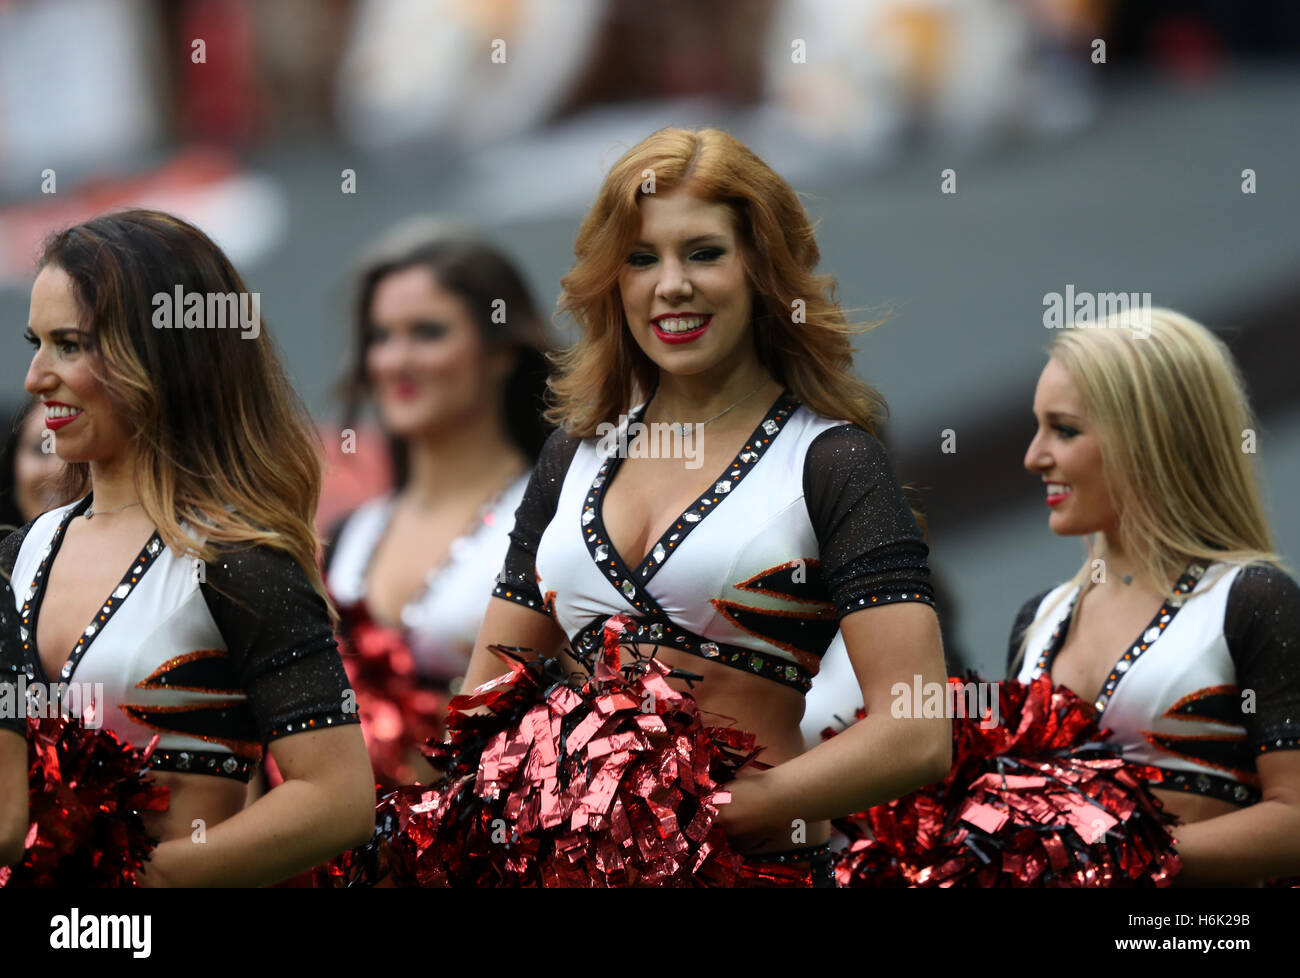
x=871, y=548
x=10, y=544
x=1024, y=618
x=1262, y=627
x=277, y=630
x=517, y=581
x=11, y=663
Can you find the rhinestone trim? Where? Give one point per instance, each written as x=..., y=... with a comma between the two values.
x=35, y=595
x=1211, y=785
x=1146, y=638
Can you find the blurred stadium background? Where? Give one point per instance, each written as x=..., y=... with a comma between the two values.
x=1115, y=170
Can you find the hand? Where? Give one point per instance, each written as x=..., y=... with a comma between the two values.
x=741, y=818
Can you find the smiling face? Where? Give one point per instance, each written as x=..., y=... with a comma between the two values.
x=426, y=361
x=1066, y=454
x=77, y=408
x=686, y=296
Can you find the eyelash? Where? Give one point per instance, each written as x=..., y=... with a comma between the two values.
x=65, y=347
x=715, y=252
x=1065, y=430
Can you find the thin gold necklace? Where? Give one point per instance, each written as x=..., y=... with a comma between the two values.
x=91, y=512
x=680, y=428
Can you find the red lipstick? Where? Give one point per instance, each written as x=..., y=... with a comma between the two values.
x=54, y=424
x=675, y=338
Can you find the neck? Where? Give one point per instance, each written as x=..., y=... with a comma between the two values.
x=460, y=457
x=1120, y=562
x=113, y=483
x=696, y=397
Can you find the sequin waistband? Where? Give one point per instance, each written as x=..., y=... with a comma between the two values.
x=655, y=631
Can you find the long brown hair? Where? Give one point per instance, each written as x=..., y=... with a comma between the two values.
x=800, y=331
x=481, y=276
x=221, y=440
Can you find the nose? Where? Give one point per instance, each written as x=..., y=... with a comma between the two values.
x=674, y=284
x=1036, y=458
x=40, y=379
x=390, y=353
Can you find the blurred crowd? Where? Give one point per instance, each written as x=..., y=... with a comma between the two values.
x=88, y=85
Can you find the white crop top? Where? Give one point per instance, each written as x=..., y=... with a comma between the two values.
x=1210, y=683
x=807, y=524
x=440, y=624
x=218, y=664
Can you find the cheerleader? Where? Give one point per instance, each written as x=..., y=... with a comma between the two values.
x=771, y=519
x=13, y=742
x=28, y=471
x=179, y=588
x=1180, y=625
x=448, y=346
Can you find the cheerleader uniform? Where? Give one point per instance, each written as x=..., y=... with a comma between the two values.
x=216, y=659
x=1210, y=683
x=806, y=524
x=405, y=675
x=12, y=664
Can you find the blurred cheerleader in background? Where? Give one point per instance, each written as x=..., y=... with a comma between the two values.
x=448, y=346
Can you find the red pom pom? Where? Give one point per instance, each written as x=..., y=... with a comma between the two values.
x=1037, y=799
x=87, y=790
x=400, y=710
x=610, y=779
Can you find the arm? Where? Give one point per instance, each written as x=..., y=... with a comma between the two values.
x=277, y=630
x=509, y=619
x=14, y=815
x=1256, y=843
x=877, y=759
x=508, y=623
x=13, y=794
x=873, y=561
x=324, y=805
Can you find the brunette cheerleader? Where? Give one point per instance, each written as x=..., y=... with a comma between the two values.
x=181, y=578
x=448, y=346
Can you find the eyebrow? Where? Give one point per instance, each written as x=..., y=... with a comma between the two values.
x=713, y=235
x=1061, y=414
x=60, y=331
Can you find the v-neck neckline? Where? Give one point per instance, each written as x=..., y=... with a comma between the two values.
x=1147, y=637
x=631, y=583
x=471, y=530
x=35, y=596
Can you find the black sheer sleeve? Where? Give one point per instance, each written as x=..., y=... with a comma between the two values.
x=12, y=663
x=1262, y=626
x=872, y=551
x=12, y=660
x=278, y=633
x=1024, y=618
x=517, y=581
x=10, y=544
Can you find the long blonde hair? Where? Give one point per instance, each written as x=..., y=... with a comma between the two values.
x=600, y=376
x=1177, y=435
x=222, y=441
